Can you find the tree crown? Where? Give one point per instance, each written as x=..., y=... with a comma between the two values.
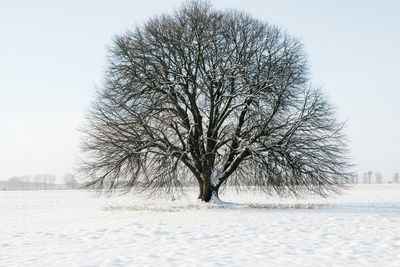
x=208, y=95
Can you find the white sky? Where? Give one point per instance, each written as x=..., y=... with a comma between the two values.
x=52, y=55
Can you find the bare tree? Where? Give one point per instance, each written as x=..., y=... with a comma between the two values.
x=50, y=178
x=26, y=181
x=367, y=177
x=70, y=181
x=396, y=178
x=15, y=183
x=44, y=181
x=378, y=177
x=355, y=179
x=38, y=180
x=208, y=95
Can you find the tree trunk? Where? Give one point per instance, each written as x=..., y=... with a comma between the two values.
x=209, y=192
x=200, y=190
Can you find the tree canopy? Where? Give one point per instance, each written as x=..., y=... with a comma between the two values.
x=216, y=98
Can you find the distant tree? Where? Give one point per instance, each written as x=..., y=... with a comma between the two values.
x=355, y=179
x=44, y=181
x=26, y=181
x=378, y=177
x=367, y=177
x=38, y=180
x=396, y=178
x=51, y=179
x=15, y=183
x=370, y=173
x=70, y=181
x=208, y=95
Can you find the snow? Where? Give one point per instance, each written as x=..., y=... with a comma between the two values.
x=361, y=227
x=215, y=177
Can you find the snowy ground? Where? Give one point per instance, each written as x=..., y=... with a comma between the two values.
x=76, y=228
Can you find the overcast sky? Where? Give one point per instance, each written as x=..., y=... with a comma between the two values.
x=52, y=56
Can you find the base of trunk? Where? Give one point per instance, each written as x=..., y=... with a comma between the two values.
x=215, y=198
x=210, y=194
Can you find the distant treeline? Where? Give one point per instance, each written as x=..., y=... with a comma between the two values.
x=47, y=181
x=39, y=182
x=371, y=177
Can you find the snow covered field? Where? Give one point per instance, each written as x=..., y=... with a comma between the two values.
x=361, y=227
